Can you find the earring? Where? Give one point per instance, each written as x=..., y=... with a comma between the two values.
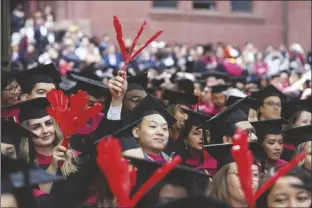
x=185, y=146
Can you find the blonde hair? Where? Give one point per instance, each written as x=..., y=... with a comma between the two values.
x=298, y=151
x=69, y=166
x=218, y=187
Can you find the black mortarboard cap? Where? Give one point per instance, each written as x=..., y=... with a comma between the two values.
x=248, y=103
x=216, y=74
x=185, y=85
x=149, y=105
x=219, y=88
x=238, y=79
x=181, y=175
x=157, y=82
x=12, y=132
x=223, y=153
x=298, y=135
x=263, y=128
x=68, y=86
x=41, y=74
x=93, y=87
x=290, y=108
x=196, y=118
x=30, y=109
x=17, y=174
x=138, y=82
x=175, y=97
x=197, y=201
x=267, y=92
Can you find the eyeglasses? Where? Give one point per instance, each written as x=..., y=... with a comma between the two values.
x=255, y=175
x=271, y=104
x=12, y=89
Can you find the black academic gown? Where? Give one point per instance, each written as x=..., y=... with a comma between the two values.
x=171, y=146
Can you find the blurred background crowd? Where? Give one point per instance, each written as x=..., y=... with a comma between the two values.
x=36, y=40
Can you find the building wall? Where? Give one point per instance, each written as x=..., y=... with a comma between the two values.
x=185, y=25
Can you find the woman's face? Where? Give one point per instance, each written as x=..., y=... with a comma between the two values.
x=10, y=93
x=308, y=160
x=152, y=133
x=253, y=115
x=304, y=119
x=44, y=129
x=181, y=117
x=195, y=138
x=233, y=184
x=273, y=146
x=284, y=195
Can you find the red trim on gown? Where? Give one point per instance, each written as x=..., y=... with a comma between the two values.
x=209, y=164
x=6, y=114
x=157, y=158
x=46, y=160
x=289, y=146
x=95, y=121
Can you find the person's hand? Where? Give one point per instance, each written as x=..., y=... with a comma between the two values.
x=306, y=94
x=118, y=87
x=58, y=155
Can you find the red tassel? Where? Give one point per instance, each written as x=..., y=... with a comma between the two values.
x=279, y=173
x=155, y=178
x=146, y=44
x=119, y=37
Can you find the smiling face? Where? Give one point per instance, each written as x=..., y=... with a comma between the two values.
x=195, y=138
x=273, y=146
x=11, y=93
x=284, y=195
x=152, y=134
x=44, y=129
x=180, y=116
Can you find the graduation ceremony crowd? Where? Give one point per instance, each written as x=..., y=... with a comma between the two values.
x=171, y=101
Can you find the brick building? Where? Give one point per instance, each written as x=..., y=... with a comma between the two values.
x=195, y=22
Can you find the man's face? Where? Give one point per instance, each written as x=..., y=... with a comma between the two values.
x=271, y=108
x=218, y=100
x=245, y=125
x=93, y=100
x=40, y=90
x=132, y=98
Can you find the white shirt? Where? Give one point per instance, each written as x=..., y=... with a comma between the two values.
x=114, y=112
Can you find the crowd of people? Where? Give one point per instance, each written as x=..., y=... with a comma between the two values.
x=174, y=104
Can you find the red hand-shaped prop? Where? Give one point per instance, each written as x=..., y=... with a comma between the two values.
x=120, y=178
x=116, y=169
x=279, y=173
x=244, y=159
x=71, y=118
x=129, y=57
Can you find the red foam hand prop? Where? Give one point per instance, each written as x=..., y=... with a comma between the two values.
x=121, y=178
x=279, y=173
x=244, y=159
x=116, y=169
x=74, y=117
x=155, y=178
x=119, y=36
